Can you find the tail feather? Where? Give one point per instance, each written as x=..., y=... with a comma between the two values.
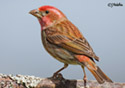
x=100, y=76
x=104, y=76
x=97, y=76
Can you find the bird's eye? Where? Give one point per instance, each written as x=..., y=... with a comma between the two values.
x=46, y=11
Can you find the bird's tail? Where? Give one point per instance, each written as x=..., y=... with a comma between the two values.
x=100, y=76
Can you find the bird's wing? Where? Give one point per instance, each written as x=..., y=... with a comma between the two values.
x=72, y=42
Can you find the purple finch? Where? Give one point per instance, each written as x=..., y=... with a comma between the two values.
x=64, y=42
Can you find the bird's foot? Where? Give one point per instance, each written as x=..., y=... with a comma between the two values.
x=57, y=76
x=85, y=82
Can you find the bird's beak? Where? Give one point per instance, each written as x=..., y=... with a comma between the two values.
x=36, y=13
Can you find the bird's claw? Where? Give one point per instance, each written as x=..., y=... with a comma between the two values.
x=85, y=81
x=57, y=76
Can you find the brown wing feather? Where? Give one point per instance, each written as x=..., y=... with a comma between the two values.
x=66, y=35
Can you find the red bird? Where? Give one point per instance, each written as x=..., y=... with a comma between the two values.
x=64, y=42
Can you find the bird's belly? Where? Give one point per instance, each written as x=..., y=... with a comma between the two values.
x=59, y=53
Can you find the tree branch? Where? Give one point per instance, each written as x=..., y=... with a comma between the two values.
x=20, y=81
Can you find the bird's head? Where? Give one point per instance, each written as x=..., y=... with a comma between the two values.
x=47, y=15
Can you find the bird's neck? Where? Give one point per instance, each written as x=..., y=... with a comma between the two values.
x=42, y=23
x=45, y=25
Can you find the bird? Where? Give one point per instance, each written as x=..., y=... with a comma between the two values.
x=64, y=42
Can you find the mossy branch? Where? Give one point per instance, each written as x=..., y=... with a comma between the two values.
x=20, y=81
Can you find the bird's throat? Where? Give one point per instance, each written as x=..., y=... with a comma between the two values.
x=42, y=23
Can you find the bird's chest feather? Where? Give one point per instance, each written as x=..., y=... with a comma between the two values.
x=57, y=52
